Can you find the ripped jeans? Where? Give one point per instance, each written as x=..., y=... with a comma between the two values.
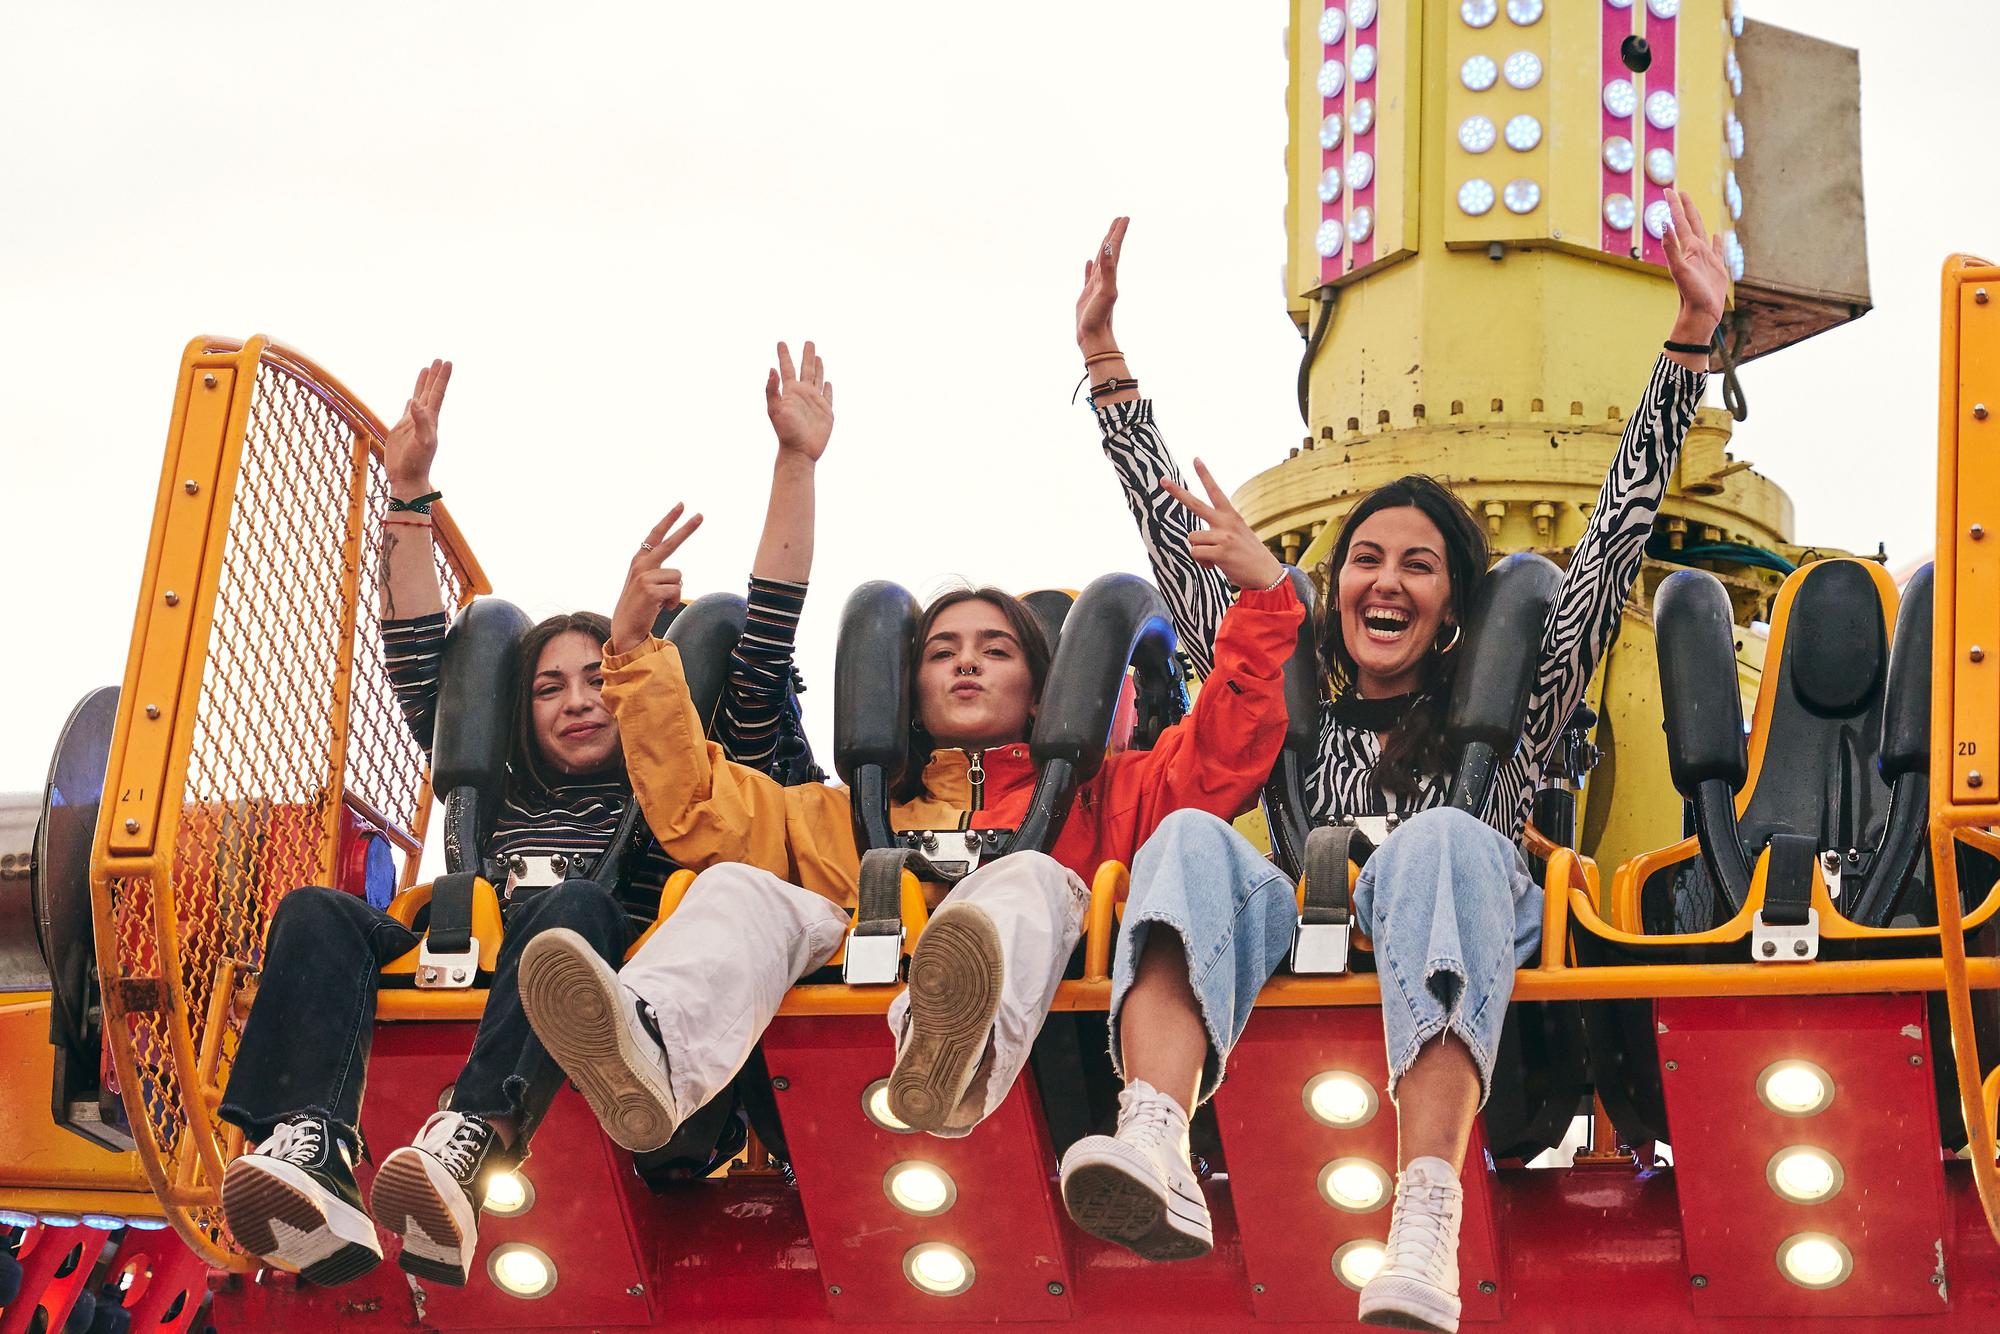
x=305, y=1046
x=1447, y=902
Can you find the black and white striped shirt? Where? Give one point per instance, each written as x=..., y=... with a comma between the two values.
x=578, y=818
x=1580, y=626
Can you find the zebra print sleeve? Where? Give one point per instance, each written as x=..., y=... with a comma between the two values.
x=1600, y=575
x=1196, y=596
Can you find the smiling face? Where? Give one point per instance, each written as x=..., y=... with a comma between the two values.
x=974, y=686
x=573, y=729
x=1394, y=595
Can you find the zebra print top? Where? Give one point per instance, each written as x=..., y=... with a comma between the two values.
x=1580, y=626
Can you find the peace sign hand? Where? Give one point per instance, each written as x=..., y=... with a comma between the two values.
x=649, y=588
x=413, y=440
x=1227, y=544
x=1100, y=292
x=800, y=403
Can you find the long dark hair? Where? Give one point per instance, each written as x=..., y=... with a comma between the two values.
x=1416, y=745
x=1027, y=631
x=527, y=768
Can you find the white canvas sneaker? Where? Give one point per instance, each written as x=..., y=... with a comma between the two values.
x=428, y=1193
x=1135, y=1187
x=292, y=1203
x=1417, y=1287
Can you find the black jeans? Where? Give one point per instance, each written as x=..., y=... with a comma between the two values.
x=305, y=1046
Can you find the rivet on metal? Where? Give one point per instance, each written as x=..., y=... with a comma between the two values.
x=131, y=826
x=1700, y=1280
x=1055, y=1289
x=1979, y=412
x=1488, y=1286
x=1770, y=948
x=1975, y=779
x=833, y=1289
x=191, y=486
x=1979, y=295
x=208, y=381
x=173, y=599
x=1673, y=1065
x=781, y=1083
x=1799, y=948
x=636, y=1290
x=1256, y=1287
x=1976, y=653
x=1978, y=531
x=152, y=710
x=1916, y=1060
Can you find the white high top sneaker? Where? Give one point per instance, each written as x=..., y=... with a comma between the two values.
x=1135, y=1187
x=1417, y=1287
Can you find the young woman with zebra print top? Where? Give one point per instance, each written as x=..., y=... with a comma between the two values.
x=1447, y=900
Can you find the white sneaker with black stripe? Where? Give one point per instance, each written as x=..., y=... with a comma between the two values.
x=1417, y=1286
x=1136, y=1187
x=429, y=1194
x=293, y=1204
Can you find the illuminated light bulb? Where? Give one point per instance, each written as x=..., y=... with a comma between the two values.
x=1332, y=25
x=1329, y=238
x=1521, y=196
x=1619, y=4
x=1618, y=154
x=875, y=1106
x=1733, y=71
x=61, y=1220
x=1360, y=171
x=1793, y=1088
x=1478, y=13
x=1659, y=218
x=520, y=1270
x=1336, y=1097
x=1733, y=128
x=508, y=1194
x=1663, y=110
x=1361, y=225
x=1660, y=166
x=1364, y=63
x=147, y=1224
x=1478, y=73
x=1804, y=1175
x=1735, y=18
x=1523, y=133
x=1524, y=12
x=1476, y=134
x=15, y=1218
x=1620, y=97
x=1354, y=1185
x=1358, y=1261
x=1732, y=253
x=1619, y=212
x=103, y=1222
x=938, y=1269
x=1664, y=9
x=1733, y=192
x=919, y=1188
x=1814, y=1260
x=1329, y=185
x=1523, y=69
x=1362, y=12
x=1332, y=78
x=1331, y=131
x=1362, y=118
x=1475, y=197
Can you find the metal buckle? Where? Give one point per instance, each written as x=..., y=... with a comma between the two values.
x=1320, y=947
x=447, y=972
x=954, y=852
x=1375, y=828
x=537, y=872
x=872, y=960
x=1784, y=944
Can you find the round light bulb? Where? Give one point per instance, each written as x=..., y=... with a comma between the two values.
x=147, y=1224
x=1354, y=1185
x=1332, y=25
x=1478, y=13
x=1361, y=118
x=1329, y=185
x=1329, y=238
x=1618, y=154
x=1804, y=1175
x=1478, y=73
x=1360, y=225
x=1523, y=69
x=1476, y=134
x=16, y=1218
x=1475, y=197
x=1364, y=63
x=1358, y=1261
x=1524, y=132
x=1794, y=1088
x=520, y=1270
x=1735, y=18
x=1360, y=170
x=1733, y=71
x=1732, y=254
x=1362, y=12
x=1332, y=78
x=1734, y=129
x=1733, y=192
x=1521, y=196
x=875, y=1105
x=1663, y=110
x=1331, y=130
x=1664, y=9
x=919, y=1188
x=1658, y=219
x=1336, y=1097
x=938, y=1269
x=1814, y=1260
x=61, y=1220
x=1619, y=4
x=507, y=1194
x=1620, y=97
x=1660, y=166
x=1619, y=212
x=1524, y=12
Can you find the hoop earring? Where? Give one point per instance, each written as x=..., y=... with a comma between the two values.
x=1457, y=633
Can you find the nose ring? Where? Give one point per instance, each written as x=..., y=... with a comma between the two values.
x=968, y=671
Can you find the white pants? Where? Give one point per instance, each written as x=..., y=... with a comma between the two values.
x=716, y=971
x=1037, y=906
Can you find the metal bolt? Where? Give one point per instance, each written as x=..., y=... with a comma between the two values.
x=1916, y=1060
x=1979, y=412
x=131, y=826
x=1488, y=1286
x=1799, y=948
x=1978, y=532
x=1937, y=1280
x=152, y=710
x=172, y=598
x=636, y=1290
x=1977, y=654
x=781, y=1083
x=1055, y=1289
x=208, y=381
x=833, y=1289
x=1979, y=296
x=1975, y=779
x=1673, y=1065
x=1700, y=1280
x=1256, y=1287
x=191, y=486
x=1770, y=948
x=458, y=975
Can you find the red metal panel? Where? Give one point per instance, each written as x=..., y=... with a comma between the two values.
x=42, y=1287
x=1276, y=1149
x=1881, y=1126
x=1004, y=1217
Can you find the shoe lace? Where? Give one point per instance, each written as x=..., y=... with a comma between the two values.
x=1421, y=1238
x=1145, y=1121
x=299, y=1143
x=460, y=1150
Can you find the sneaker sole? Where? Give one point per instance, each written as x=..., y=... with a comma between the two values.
x=955, y=980
x=1399, y=1303
x=1111, y=1202
x=277, y=1213
x=408, y=1200
x=575, y=1006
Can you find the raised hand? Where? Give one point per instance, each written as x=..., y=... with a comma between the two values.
x=1100, y=291
x=413, y=440
x=1227, y=544
x=1700, y=273
x=650, y=588
x=800, y=403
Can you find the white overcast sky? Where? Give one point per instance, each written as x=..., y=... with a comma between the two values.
x=606, y=215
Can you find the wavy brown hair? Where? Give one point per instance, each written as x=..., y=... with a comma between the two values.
x=1416, y=745
x=527, y=768
x=1027, y=631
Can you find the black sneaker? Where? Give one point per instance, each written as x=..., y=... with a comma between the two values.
x=293, y=1204
x=430, y=1193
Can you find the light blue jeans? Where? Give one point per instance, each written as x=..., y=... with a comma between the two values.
x=1446, y=900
